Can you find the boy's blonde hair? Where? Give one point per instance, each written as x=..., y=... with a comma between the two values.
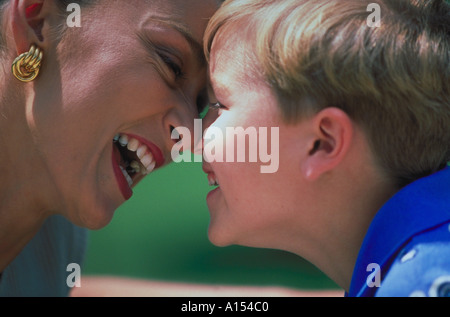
x=393, y=80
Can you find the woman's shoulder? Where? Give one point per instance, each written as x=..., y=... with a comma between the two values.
x=44, y=265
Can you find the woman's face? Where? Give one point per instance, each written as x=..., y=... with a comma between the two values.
x=110, y=94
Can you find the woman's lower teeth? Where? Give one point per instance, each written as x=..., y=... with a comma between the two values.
x=127, y=177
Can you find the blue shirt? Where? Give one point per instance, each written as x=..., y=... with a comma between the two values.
x=406, y=251
x=41, y=269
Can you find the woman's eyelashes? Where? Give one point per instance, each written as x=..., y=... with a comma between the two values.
x=166, y=58
x=173, y=66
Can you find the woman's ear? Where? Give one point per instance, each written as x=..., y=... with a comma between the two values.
x=329, y=143
x=30, y=23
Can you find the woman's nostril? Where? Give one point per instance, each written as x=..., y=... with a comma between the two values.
x=176, y=136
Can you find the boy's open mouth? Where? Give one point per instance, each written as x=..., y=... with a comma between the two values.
x=133, y=159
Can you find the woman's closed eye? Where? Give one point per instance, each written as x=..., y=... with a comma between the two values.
x=173, y=66
x=167, y=59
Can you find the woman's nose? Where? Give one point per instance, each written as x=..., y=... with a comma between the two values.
x=209, y=118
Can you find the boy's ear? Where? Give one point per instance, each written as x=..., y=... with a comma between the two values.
x=30, y=25
x=329, y=143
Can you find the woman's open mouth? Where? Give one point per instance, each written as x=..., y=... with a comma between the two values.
x=133, y=159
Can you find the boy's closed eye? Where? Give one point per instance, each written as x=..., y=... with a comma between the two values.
x=217, y=106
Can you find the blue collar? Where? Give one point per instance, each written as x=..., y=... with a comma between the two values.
x=417, y=207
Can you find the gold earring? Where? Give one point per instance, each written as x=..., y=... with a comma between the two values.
x=26, y=67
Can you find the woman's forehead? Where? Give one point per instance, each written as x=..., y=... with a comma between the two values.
x=190, y=16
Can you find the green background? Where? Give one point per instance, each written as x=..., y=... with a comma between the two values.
x=161, y=234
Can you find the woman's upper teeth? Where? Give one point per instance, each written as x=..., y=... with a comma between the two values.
x=146, y=163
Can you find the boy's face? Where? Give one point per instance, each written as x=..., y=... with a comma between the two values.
x=250, y=207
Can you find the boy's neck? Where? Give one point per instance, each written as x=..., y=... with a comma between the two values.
x=348, y=223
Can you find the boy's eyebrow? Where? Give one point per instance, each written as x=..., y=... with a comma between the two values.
x=195, y=46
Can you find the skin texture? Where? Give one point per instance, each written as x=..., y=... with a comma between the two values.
x=325, y=193
x=134, y=69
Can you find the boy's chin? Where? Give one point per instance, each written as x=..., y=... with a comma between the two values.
x=217, y=239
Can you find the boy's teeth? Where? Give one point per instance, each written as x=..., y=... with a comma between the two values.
x=212, y=180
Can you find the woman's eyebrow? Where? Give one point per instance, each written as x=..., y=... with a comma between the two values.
x=195, y=46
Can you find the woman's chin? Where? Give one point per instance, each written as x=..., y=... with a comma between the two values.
x=96, y=220
x=94, y=215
